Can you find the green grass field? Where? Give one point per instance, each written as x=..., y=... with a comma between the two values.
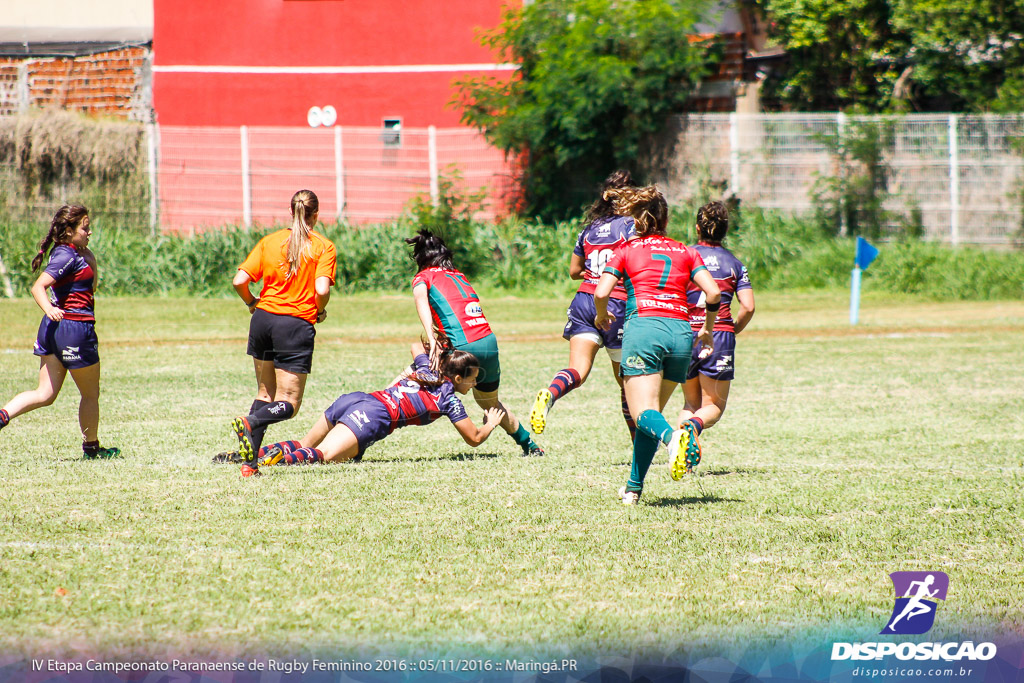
x=845, y=454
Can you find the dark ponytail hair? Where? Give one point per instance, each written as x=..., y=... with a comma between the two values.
x=602, y=208
x=448, y=362
x=712, y=222
x=64, y=222
x=430, y=251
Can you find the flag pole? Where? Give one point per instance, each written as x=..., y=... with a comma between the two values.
x=855, y=296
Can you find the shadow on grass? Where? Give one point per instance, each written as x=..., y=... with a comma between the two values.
x=457, y=457
x=691, y=500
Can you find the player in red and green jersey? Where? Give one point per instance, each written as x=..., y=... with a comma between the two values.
x=709, y=378
x=604, y=233
x=446, y=301
x=657, y=340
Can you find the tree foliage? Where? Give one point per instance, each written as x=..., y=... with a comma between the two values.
x=595, y=78
x=898, y=55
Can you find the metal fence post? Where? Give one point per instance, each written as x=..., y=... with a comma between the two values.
x=435, y=190
x=954, y=182
x=844, y=223
x=339, y=173
x=734, y=155
x=154, y=197
x=246, y=180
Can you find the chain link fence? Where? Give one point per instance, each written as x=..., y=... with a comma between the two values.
x=950, y=178
x=956, y=179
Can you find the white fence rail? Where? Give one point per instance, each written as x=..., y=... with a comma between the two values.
x=963, y=175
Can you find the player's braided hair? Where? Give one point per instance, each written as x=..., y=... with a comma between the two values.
x=304, y=206
x=646, y=205
x=430, y=251
x=446, y=363
x=602, y=207
x=64, y=223
x=712, y=222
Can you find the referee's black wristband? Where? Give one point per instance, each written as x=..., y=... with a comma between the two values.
x=252, y=303
x=713, y=307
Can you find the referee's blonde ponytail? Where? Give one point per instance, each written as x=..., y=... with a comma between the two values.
x=305, y=207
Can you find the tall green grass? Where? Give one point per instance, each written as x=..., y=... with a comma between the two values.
x=780, y=252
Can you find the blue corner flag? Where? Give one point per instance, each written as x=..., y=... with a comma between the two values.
x=865, y=254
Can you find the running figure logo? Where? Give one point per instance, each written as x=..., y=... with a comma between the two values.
x=917, y=596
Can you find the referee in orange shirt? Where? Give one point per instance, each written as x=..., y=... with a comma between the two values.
x=297, y=266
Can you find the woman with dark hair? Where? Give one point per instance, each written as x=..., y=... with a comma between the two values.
x=418, y=397
x=657, y=339
x=66, y=341
x=708, y=380
x=447, y=305
x=605, y=232
x=297, y=266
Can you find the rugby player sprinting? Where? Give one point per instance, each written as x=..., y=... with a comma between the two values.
x=707, y=382
x=66, y=341
x=445, y=301
x=657, y=340
x=604, y=233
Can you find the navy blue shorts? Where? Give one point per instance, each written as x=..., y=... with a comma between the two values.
x=581, y=316
x=74, y=342
x=367, y=417
x=721, y=364
x=285, y=340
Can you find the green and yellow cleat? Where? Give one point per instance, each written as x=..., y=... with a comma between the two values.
x=539, y=414
x=683, y=457
x=240, y=427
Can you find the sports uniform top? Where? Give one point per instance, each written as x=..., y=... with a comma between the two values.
x=454, y=305
x=596, y=244
x=731, y=276
x=295, y=295
x=410, y=403
x=74, y=283
x=655, y=270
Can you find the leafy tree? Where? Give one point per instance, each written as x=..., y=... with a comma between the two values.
x=596, y=77
x=965, y=55
x=898, y=55
x=841, y=54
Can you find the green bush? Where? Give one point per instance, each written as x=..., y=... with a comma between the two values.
x=780, y=252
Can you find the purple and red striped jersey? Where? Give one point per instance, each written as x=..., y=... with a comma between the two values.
x=596, y=245
x=454, y=305
x=656, y=271
x=73, y=283
x=731, y=276
x=410, y=403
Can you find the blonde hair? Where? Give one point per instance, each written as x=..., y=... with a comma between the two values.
x=646, y=205
x=304, y=206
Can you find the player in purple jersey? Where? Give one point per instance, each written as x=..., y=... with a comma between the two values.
x=418, y=396
x=604, y=233
x=66, y=341
x=707, y=386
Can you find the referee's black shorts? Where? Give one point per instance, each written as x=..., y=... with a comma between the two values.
x=283, y=339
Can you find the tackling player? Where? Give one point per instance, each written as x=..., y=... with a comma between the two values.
x=657, y=339
x=445, y=301
x=605, y=232
x=66, y=341
x=707, y=383
x=297, y=266
x=419, y=396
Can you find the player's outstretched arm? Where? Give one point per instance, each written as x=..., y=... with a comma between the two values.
x=474, y=435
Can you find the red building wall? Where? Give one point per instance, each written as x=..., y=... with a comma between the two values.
x=266, y=62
